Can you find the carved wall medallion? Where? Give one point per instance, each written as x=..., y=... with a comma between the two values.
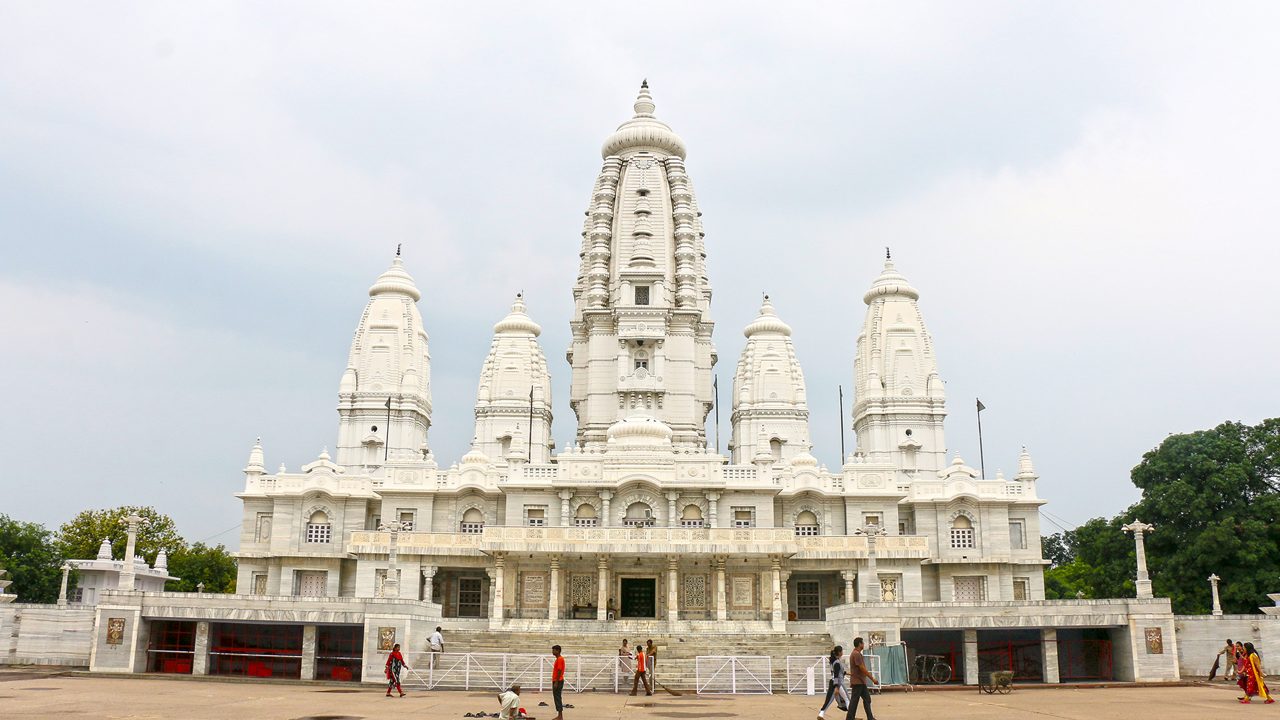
x=115, y=631
x=1155, y=640
x=386, y=638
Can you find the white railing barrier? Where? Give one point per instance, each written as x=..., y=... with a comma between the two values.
x=734, y=674
x=800, y=668
x=499, y=671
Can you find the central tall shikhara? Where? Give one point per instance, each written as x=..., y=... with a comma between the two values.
x=641, y=324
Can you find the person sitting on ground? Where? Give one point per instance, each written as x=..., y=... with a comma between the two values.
x=510, y=704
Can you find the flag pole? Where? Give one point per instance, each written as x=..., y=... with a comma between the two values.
x=715, y=387
x=386, y=449
x=982, y=460
x=842, y=455
x=530, y=424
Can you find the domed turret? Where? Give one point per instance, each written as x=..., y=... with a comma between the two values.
x=899, y=402
x=639, y=432
x=644, y=131
x=514, y=385
x=770, y=411
x=388, y=373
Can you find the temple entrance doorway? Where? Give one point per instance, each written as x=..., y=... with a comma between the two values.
x=639, y=598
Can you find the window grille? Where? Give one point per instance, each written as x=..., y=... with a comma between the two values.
x=744, y=517
x=642, y=294
x=535, y=516
x=584, y=522
x=962, y=538
x=807, y=531
x=319, y=532
x=692, y=523
x=472, y=528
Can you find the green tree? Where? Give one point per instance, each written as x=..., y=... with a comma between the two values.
x=213, y=566
x=1214, y=498
x=28, y=553
x=79, y=538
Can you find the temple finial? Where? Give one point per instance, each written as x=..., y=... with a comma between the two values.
x=644, y=83
x=644, y=106
x=887, y=255
x=398, y=249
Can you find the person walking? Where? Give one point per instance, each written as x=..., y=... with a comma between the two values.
x=640, y=674
x=557, y=682
x=395, y=663
x=858, y=677
x=1226, y=655
x=651, y=660
x=835, y=682
x=1256, y=682
x=435, y=645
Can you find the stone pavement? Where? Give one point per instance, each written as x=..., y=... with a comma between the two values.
x=39, y=694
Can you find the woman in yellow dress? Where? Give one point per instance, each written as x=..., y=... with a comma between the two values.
x=1257, y=682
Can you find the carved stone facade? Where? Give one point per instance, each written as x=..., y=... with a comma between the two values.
x=639, y=518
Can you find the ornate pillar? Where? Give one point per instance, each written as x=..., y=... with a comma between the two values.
x=672, y=520
x=308, y=652
x=1213, y=587
x=566, y=512
x=1139, y=528
x=722, y=608
x=673, y=588
x=1049, y=655
x=66, y=570
x=553, y=593
x=712, y=499
x=200, y=658
x=970, y=657
x=605, y=496
x=786, y=600
x=779, y=614
x=428, y=582
x=128, y=578
x=602, y=598
x=848, y=585
x=499, y=582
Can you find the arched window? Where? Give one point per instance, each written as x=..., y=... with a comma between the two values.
x=472, y=522
x=319, y=529
x=586, y=516
x=807, y=524
x=638, y=515
x=775, y=447
x=691, y=516
x=962, y=533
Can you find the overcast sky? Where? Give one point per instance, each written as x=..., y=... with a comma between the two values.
x=195, y=198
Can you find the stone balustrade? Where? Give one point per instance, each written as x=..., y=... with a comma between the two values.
x=640, y=540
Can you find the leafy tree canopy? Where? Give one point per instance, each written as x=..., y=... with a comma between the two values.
x=200, y=563
x=32, y=562
x=1214, y=498
x=79, y=538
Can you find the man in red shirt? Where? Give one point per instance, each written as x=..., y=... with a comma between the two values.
x=640, y=677
x=557, y=682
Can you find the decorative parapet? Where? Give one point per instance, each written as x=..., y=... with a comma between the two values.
x=660, y=540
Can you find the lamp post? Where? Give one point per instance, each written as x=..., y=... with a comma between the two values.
x=871, y=586
x=1213, y=587
x=62, y=591
x=391, y=585
x=128, y=577
x=1139, y=529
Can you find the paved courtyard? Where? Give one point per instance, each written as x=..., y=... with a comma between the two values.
x=42, y=695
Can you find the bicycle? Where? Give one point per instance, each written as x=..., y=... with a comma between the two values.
x=932, y=669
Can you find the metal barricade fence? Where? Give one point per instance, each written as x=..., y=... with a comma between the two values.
x=800, y=668
x=499, y=671
x=734, y=674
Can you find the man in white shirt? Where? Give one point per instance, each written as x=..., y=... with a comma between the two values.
x=435, y=644
x=510, y=703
